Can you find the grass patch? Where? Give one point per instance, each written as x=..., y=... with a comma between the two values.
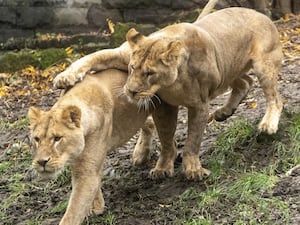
x=224, y=156
x=4, y=167
x=236, y=190
x=18, y=124
x=60, y=207
x=107, y=219
x=250, y=184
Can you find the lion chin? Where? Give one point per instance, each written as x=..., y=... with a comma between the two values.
x=46, y=176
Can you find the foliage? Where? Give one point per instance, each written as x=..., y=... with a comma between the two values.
x=14, y=61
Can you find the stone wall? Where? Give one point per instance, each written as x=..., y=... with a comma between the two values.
x=23, y=18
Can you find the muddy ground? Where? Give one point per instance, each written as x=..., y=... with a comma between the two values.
x=131, y=196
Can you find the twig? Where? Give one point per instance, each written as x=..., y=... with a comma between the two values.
x=289, y=173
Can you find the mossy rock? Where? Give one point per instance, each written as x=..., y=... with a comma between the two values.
x=14, y=61
x=50, y=56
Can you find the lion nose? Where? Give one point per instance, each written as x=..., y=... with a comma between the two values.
x=130, y=92
x=43, y=162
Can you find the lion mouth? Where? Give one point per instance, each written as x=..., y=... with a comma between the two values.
x=46, y=175
x=145, y=100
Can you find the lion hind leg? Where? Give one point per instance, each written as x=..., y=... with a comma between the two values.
x=141, y=153
x=240, y=88
x=267, y=72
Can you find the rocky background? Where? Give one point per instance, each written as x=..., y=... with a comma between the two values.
x=25, y=18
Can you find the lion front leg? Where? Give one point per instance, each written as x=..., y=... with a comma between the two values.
x=85, y=194
x=197, y=120
x=165, y=118
x=117, y=58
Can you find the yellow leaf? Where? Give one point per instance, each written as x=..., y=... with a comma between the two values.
x=2, y=89
x=111, y=26
x=253, y=105
x=69, y=51
x=21, y=92
x=29, y=69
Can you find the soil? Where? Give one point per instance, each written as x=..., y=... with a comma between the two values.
x=130, y=195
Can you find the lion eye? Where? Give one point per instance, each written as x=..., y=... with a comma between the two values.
x=57, y=138
x=36, y=139
x=149, y=73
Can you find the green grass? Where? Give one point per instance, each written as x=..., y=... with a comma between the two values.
x=18, y=124
x=4, y=167
x=107, y=219
x=223, y=155
x=236, y=189
x=60, y=207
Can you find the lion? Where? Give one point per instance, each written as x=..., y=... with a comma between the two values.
x=190, y=64
x=84, y=124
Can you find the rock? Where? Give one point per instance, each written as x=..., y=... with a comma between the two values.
x=155, y=16
x=70, y=16
x=179, y=4
x=97, y=15
x=30, y=17
x=7, y=33
x=8, y=15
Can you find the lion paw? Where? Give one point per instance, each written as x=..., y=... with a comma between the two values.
x=161, y=173
x=222, y=114
x=140, y=159
x=98, y=204
x=97, y=211
x=269, y=125
x=68, y=78
x=193, y=169
x=266, y=128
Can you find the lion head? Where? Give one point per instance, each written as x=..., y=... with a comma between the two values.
x=57, y=138
x=153, y=64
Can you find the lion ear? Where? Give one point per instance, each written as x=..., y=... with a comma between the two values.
x=72, y=116
x=133, y=37
x=172, y=53
x=34, y=114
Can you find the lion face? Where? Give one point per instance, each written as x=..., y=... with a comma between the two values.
x=153, y=65
x=57, y=138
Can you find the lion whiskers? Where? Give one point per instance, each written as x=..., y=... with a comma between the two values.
x=144, y=102
x=119, y=91
x=158, y=99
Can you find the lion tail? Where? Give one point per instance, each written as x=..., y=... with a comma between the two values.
x=208, y=7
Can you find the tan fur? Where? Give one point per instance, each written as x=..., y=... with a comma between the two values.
x=190, y=64
x=88, y=121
